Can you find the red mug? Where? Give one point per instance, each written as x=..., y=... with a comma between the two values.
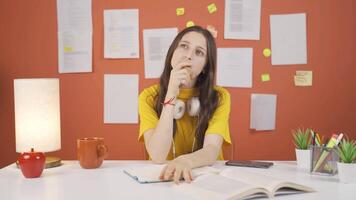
x=91, y=152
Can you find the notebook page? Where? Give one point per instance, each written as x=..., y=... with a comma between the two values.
x=269, y=183
x=213, y=186
x=150, y=173
x=147, y=174
x=251, y=178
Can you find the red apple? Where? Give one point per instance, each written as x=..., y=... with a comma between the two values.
x=32, y=163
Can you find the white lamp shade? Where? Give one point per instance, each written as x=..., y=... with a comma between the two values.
x=37, y=114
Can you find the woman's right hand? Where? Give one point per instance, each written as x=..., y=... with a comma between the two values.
x=180, y=75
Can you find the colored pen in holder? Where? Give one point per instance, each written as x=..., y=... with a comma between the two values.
x=323, y=160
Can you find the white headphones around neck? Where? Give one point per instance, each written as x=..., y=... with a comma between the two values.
x=193, y=107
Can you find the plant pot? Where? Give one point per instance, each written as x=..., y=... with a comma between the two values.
x=303, y=158
x=347, y=172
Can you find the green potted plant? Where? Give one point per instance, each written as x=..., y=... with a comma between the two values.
x=347, y=165
x=302, y=142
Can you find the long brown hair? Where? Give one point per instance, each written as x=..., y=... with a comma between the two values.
x=208, y=96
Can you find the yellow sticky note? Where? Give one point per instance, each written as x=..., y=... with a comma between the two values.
x=212, y=8
x=303, y=78
x=267, y=52
x=180, y=11
x=68, y=49
x=265, y=77
x=189, y=24
x=212, y=30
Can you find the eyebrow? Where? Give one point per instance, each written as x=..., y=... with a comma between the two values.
x=199, y=47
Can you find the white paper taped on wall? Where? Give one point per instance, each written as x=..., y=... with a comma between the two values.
x=121, y=38
x=242, y=19
x=263, y=112
x=74, y=36
x=234, y=67
x=288, y=39
x=155, y=44
x=120, y=98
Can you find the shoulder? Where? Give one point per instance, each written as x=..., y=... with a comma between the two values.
x=152, y=90
x=223, y=94
x=149, y=94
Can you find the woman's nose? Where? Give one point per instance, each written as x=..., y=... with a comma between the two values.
x=189, y=54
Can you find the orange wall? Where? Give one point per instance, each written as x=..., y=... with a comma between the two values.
x=28, y=40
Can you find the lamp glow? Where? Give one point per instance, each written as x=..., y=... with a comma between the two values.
x=37, y=114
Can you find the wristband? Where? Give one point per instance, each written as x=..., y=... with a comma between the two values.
x=168, y=102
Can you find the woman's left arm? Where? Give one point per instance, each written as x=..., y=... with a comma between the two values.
x=218, y=124
x=182, y=165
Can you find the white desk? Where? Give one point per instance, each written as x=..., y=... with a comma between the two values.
x=71, y=182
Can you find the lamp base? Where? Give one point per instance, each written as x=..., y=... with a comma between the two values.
x=50, y=162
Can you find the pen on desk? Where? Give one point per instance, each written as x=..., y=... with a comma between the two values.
x=339, y=139
x=336, y=144
x=318, y=139
x=332, y=141
x=317, y=142
x=313, y=136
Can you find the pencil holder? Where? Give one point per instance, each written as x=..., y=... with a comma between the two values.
x=323, y=160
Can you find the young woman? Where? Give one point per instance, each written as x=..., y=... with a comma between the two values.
x=185, y=119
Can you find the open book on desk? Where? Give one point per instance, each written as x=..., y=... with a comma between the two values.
x=150, y=173
x=238, y=183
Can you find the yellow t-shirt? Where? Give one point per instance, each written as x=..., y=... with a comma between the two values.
x=218, y=124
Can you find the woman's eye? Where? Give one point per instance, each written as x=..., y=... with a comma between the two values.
x=199, y=53
x=184, y=46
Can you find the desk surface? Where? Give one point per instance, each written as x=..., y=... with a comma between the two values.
x=70, y=181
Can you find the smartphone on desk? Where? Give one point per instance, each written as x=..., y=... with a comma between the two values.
x=249, y=163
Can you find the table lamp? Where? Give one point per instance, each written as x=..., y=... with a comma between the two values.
x=37, y=116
